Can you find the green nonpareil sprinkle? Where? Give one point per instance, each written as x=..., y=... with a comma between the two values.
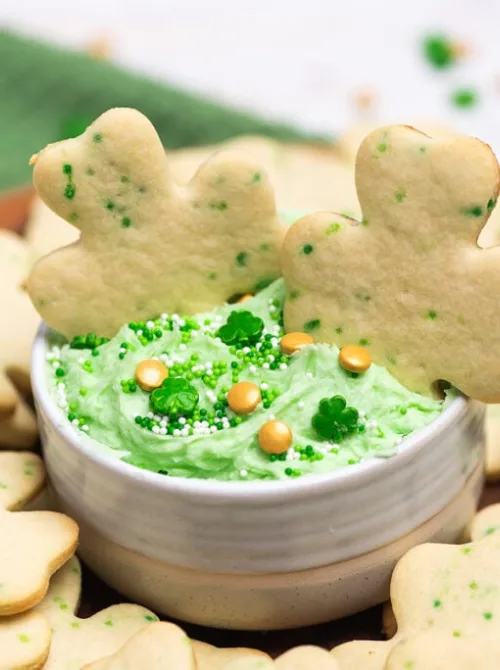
x=438, y=51
x=473, y=210
x=69, y=189
x=220, y=206
x=465, y=98
x=241, y=258
x=313, y=324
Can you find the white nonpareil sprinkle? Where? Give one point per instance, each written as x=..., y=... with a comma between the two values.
x=243, y=473
x=85, y=428
x=309, y=374
x=182, y=347
x=157, y=417
x=155, y=429
x=217, y=339
x=372, y=424
x=265, y=366
x=213, y=429
x=301, y=404
x=275, y=341
x=150, y=415
x=81, y=360
x=283, y=366
x=56, y=364
x=289, y=456
x=258, y=346
x=264, y=386
x=271, y=358
x=272, y=417
x=150, y=324
x=75, y=422
x=163, y=431
x=252, y=369
x=246, y=350
x=362, y=414
x=181, y=420
x=272, y=308
x=177, y=432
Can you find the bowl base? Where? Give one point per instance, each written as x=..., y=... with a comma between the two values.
x=271, y=601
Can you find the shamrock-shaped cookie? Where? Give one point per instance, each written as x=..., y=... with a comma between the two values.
x=18, y=325
x=77, y=642
x=147, y=244
x=33, y=545
x=446, y=601
x=409, y=281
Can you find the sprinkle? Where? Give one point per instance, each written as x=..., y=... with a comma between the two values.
x=243, y=473
x=301, y=404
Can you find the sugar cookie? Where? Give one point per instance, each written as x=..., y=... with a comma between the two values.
x=148, y=245
x=409, y=282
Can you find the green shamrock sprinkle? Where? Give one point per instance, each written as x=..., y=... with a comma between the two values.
x=89, y=341
x=175, y=397
x=241, y=327
x=438, y=51
x=335, y=420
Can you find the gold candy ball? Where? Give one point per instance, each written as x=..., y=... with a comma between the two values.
x=244, y=397
x=275, y=437
x=354, y=358
x=292, y=342
x=150, y=374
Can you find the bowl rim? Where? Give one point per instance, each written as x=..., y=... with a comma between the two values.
x=259, y=490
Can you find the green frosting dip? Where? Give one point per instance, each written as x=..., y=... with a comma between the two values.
x=96, y=389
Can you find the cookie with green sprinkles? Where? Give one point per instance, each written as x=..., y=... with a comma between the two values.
x=161, y=645
x=147, y=244
x=33, y=545
x=77, y=642
x=446, y=601
x=409, y=281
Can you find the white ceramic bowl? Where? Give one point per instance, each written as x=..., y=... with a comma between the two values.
x=260, y=527
x=242, y=528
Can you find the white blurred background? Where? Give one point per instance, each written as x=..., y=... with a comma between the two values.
x=302, y=61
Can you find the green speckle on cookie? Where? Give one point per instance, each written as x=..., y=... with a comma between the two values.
x=382, y=147
x=75, y=624
x=265, y=247
x=73, y=217
x=109, y=204
x=69, y=191
x=465, y=98
x=262, y=284
x=438, y=51
x=108, y=622
x=333, y=228
x=491, y=204
x=220, y=206
x=467, y=550
x=436, y=604
x=461, y=319
x=212, y=275
x=257, y=177
x=400, y=196
x=75, y=569
x=22, y=637
x=487, y=616
x=364, y=222
x=473, y=586
x=423, y=150
x=124, y=179
x=409, y=665
x=339, y=330
x=364, y=342
x=431, y=315
x=67, y=169
x=364, y=297
x=142, y=189
x=457, y=633
x=391, y=359
x=150, y=617
x=313, y=324
x=241, y=258
x=307, y=249
x=473, y=210
x=3, y=486
x=28, y=473
x=90, y=172
x=97, y=137
x=293, y=295
x=490, y=530
x=126, y=222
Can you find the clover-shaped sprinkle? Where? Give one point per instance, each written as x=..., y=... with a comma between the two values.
x=175, y=397
x=334, y=419
x=241, y=327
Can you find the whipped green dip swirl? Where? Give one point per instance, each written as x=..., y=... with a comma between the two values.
x=96, y=389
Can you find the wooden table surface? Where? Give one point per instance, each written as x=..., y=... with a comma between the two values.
x=97, y=595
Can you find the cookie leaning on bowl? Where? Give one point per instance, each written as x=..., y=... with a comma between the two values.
x=408, y=281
